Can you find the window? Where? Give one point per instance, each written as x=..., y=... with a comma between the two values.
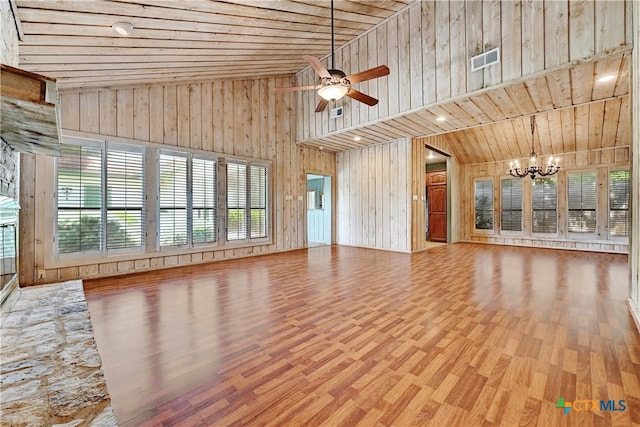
x=90, y=219
x=511, y=205
x=619, y=203
x=484, y=205
x=188, y=199
x=247, y=201
x=544, y=206
x=582, y=197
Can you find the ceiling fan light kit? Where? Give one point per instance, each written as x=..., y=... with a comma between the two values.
x=335, y=84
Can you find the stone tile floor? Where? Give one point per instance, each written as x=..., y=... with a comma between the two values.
x=50, y=369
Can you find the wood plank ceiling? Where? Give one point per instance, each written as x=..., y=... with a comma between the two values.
x=184, y=40
x=195, y=40
x=574, y=112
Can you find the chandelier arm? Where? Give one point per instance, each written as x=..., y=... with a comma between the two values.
x=518, y=173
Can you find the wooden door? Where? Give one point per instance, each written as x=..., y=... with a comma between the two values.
x=437, y=199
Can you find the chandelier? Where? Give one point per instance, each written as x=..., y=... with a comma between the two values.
x=534, y=169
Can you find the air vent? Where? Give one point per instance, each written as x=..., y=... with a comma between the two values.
x=336, y=112
x=485, y=59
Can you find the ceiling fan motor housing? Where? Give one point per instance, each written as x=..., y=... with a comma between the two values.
x=338, y=77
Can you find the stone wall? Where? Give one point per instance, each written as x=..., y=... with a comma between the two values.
x=9, y=169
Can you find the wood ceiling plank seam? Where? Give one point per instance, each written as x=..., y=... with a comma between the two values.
x=581, y=123
x=522, y=98
x=602, y=68
x=286, y=45
x=311, y=9
x=555, y=131
x=491, y=147
x=77, y=22
x=509, y=148
x=503, y=101
x=611, y=119
x=186, y=36
x=568, y=129
x=624, y=127
x=559, y=84
x=522, y=135
x=582, y=83
x=622, y=82
x=596, y=122
x=410, y=123
x=441, y=112
x=539, y=93
x=154, y=72
x=488, y=107
x=474, y=111
x=439, y=126
x=456, y=109
x=476, y=145
x=290, y=21
x=543, y=138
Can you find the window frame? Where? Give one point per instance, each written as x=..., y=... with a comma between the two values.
x=492, y=209
x=609, y=236
x=522, y=197
x=538, y=234
x=578, y=235
x=189, y=156
x=248, y=205
x=104, y=146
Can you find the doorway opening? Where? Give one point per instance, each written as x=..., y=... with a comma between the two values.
x=318, y=210
x=437, y=201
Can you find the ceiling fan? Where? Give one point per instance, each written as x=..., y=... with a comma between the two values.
x=334, y=83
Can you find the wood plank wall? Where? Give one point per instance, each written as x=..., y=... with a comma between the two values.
x=429, y=42
x=599, y=160
x=241, y=118
x=634, y=250
x=374, y=200
x=418, y=185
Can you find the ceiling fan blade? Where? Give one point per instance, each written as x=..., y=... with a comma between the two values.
x=317, y=66
x=322, y=105
x=295, y=88
x=372, y=73
x=359, y=96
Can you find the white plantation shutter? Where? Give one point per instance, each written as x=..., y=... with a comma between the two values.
x=545, y=205
x=259, y=186
x=204, y=194
x=173, y=200
x=236, y=201
x=511, y=204
x=583, y=199
x=125, y=199
x=619, y=203
x=79, y=199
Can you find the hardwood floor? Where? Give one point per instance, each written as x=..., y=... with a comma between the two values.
x=462, y=334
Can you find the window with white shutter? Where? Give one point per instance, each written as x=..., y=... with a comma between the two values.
x=544, y=206
x=259, y=211
x=619, y=203
x=583, y=200
x=247, y=201
x=236, y=201
x=204, y=192
x=173, y=199
x=79, y=227
x=101, y=197
x=511, y=204
x=484, y=205
x=125, y=199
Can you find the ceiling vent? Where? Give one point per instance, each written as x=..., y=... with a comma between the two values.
x=485, y=59
x=336, y=112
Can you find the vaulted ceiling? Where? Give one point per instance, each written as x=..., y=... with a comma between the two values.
x=195, y=40
x=72, y=40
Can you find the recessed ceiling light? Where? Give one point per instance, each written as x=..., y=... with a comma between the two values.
x=607, y=78
x=441, y=119
x=356, y=138
x=430, y=156
x=321, y=148
x=123, y=28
